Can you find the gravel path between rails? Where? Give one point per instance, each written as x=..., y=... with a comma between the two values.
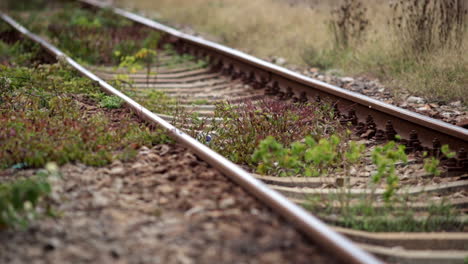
x=165, y=206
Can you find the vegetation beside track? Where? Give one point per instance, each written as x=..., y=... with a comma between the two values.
x=43, y=120
x=305, y=35
x=51, y=114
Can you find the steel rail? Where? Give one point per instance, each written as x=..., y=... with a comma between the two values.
x=404, y=121
x=312, y=227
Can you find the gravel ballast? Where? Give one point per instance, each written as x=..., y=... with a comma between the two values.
x=164, y=206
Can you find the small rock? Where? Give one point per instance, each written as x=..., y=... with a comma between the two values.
x=415, y=100
x=424, y=108
x=227, y=202
x=116, y=171
x=165, y=189
x=163, y=200
x=52, y=244
x=347, y=79
x=456, y=104
x=194, y=210
x=99, y=200
x=446, y=114
x=116, y=163
x=314, y=70
x=279, y=61
x=144, y=148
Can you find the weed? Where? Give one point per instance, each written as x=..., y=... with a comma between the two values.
x=430, y=24
x=111, y=102
x=200, y=102
x=157, y=102
x=431, y=165
x=19, y=199
x=385, y=157
x=284, y=121
x=349, y=23
x=308, y=158
x=143, y=56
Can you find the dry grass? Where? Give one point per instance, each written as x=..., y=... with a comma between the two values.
x=297, y=30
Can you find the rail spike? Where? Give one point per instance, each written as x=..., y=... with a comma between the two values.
x=436, y=148
x=390, y=131
x=380, y=135
x=336, y=110
x=360, y=128
x=235, y=73
x=352, y=117
x=272, y=88
x=370, y=124
x=249, y=78
x=217, y=65
x=413, y=143
x=462, y=157
x=303, y=98
x=289, y=93
x=260, y=83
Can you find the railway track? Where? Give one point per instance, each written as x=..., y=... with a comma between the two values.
x=309, y=225
x=237, y=77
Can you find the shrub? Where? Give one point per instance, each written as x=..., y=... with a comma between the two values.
x=430, y=24
x=349, y=23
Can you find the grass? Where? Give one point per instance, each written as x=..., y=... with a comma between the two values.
x=301, y=34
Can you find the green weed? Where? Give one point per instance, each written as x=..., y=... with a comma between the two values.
x=385, y=158
x=111, y=102
x=19, y=199
x=307, y=157
x=285, y=121
x=200, y=102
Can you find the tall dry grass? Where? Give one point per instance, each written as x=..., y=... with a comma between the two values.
x=299, y=31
